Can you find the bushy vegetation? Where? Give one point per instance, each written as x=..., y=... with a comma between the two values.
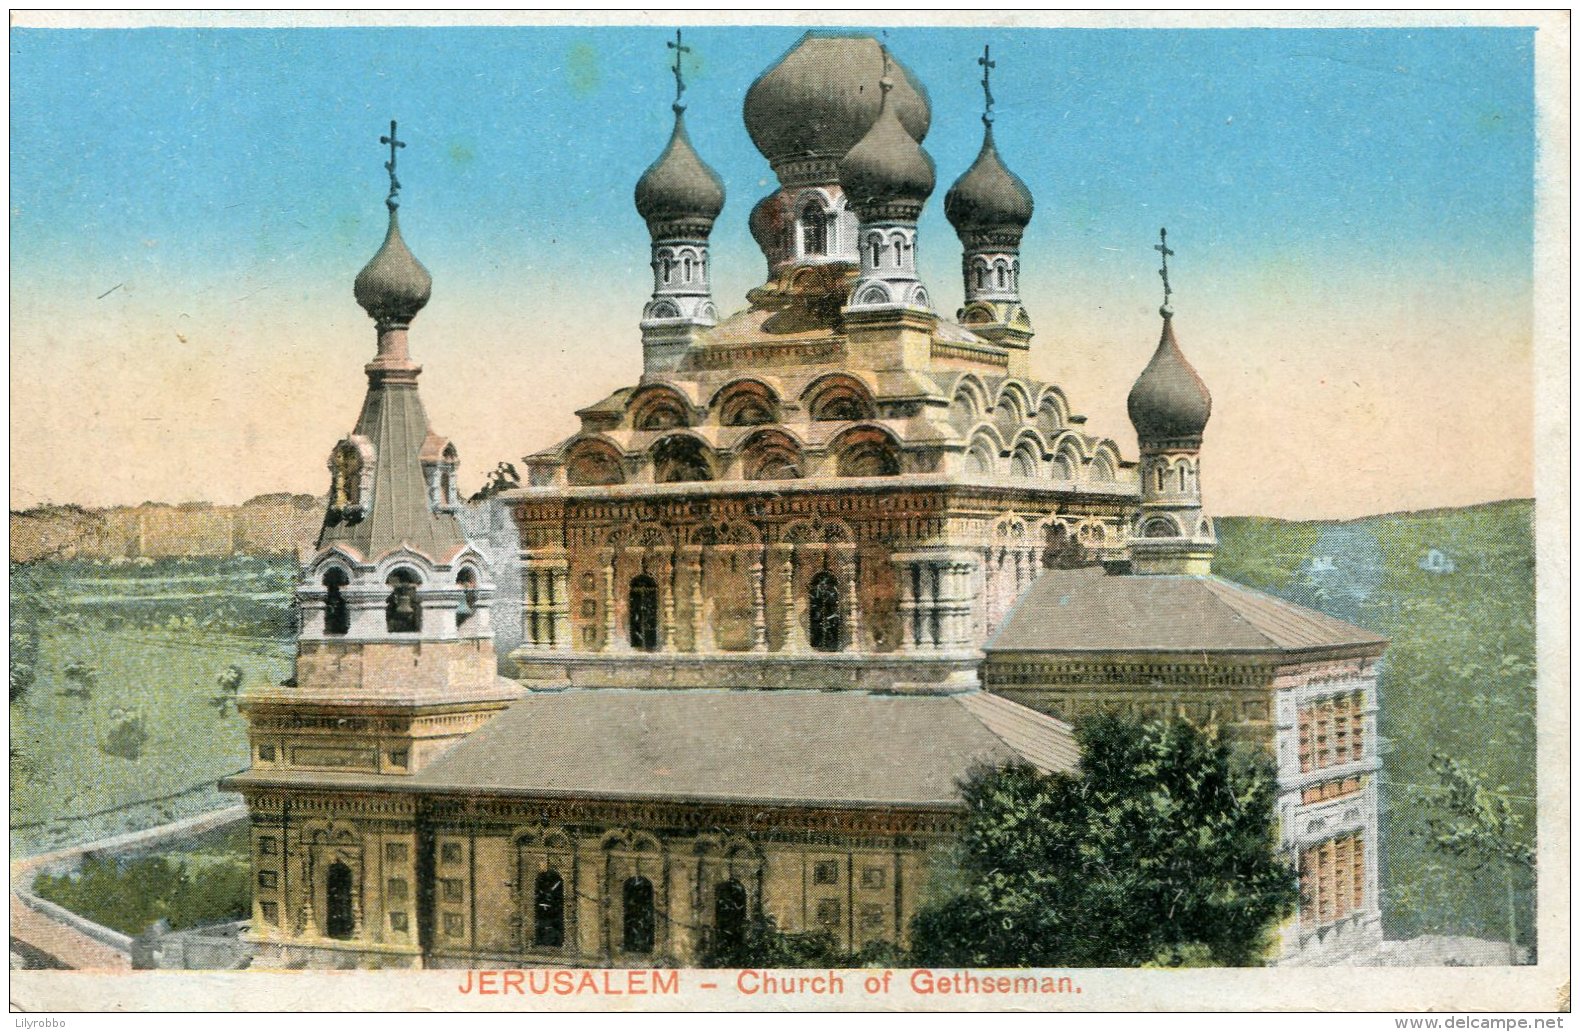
x=129, y=895
x=1459, y=679
x=1160, y=850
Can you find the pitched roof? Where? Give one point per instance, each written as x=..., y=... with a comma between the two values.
x=773, y=747
x=1087, y=610
x=399, y=514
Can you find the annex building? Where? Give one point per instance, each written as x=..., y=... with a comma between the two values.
x=757, y=586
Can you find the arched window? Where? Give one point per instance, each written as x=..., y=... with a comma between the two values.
x=1003, y=275
x=402, y=609
x=1160, y=478
x=869, y=458
x=640, y=918
x=814, y=232
x=875, y=242
x=339, y=918
x=1182, y=476
x=687, y=268
x=729, y=914
x=548, y=910
x=337, y=615
x=1024, y=464
x=680, y=460
x=644, y=613
x=824, y=613
x=466, y=580
x=982, y=277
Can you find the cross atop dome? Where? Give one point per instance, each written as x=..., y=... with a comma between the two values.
x=680, y=83
x=988, y=64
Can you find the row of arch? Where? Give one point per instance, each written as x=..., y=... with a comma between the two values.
x=402, y=604
x=1180, y=475
x=1030, y=455
x=834, y=397
x=1012, y=405
x=675, y=266
x=865, y=450
x=638, y=913
x=999, y=274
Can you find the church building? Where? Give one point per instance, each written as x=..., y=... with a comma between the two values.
x=756, y=587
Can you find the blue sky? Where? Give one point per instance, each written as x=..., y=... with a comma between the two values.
x=237, y=172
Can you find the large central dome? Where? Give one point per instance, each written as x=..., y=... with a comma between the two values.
x=811, y=107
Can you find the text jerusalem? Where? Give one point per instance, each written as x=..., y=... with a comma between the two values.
x=755, y=982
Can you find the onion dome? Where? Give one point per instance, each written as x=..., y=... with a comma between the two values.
x=393, y=287
x=989, y=199
x=679, y=195
x=808, y=110
x=1169, y=404
x=887, y=174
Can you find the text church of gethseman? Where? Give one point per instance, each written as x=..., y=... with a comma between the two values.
x=828, y=553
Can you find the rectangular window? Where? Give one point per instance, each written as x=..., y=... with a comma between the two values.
x=589, y=608
x=452, y=890
x=872, y=877
x=395, y=852
x=266, y=845
x=397, y=757
x=271, y=913
x=266, y=753
x=1332, y=731
x=1332, y=880
x=453, y=926
x=872, y=917
x=395, y=889
x=268, y=880
x=825, y=872
x=589, y=636
x=829, y=913
x=450, y=852
x=398, y=921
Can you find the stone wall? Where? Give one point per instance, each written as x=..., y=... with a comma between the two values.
x=272, y=524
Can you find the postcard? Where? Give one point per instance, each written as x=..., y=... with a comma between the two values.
x=789, y=512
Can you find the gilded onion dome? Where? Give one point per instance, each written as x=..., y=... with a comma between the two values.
x=679, y=190
x=988, y=198
x=1169, y=404
x=887, y=174
x=393, y=286
x=809, y=109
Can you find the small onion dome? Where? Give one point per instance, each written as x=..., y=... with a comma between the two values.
x=393, y=287
x=809, y=109
x=1169, y=405
x=767, y=222
x=989, y=199
x=679, y=194
x=887, y=174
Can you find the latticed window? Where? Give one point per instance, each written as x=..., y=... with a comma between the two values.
x=1332, y=880
x=1332, y=731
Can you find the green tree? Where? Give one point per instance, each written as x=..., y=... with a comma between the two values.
x=765, y=946
x=1160, y=849
x=503, y=477
x=1482, y=826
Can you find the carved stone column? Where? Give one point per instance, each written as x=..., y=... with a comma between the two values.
x=852, y=565
x=560, y=605
x=905, y=577
x=611, y=631
x=759, y=603
x=794, y=637
x=666, y=632
x=702, y=639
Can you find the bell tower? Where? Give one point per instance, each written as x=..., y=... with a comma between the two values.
x=394, y=601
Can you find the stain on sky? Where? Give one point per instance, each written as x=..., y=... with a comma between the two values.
x=581, y=69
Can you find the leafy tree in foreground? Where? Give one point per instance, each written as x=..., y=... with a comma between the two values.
x=765, y=946
x=1481, y=825
x=1160, y=849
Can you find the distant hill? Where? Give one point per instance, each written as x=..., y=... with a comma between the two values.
x=1454, y=590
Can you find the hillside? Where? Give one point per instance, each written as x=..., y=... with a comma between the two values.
x=1459, y=677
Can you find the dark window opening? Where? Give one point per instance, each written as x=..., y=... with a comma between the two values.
x=467, y=581
x=644, y=613
x=548, y=910
x=402, y=609
x=340, y=920
x=729, y=914
x=640, y=917
x=814, y=232
x=337, y=615
x=826, y=622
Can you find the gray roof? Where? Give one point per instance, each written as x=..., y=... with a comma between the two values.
x=399, y=513
x=771, y=747
x=1087, y=610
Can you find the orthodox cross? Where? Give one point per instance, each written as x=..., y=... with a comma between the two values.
x=393, y=200
x=679, y=48
x=1162, y=248
x=988, y=64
